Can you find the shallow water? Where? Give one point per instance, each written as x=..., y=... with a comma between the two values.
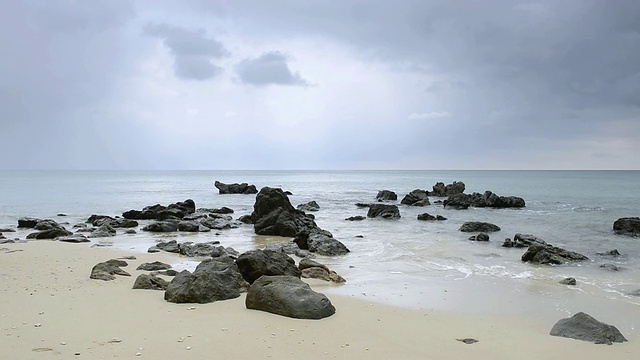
x=403, y=262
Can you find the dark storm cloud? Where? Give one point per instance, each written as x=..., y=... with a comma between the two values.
x=192, y=49
x=269, y=68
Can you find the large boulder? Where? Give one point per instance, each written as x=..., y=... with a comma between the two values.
x=243, y=188
x=629, y=226
x=584, y=327
x=320, y=244
x=386, y=195
x=255, y=263
x=106, y=270
x=477, y=226
x=384, y=211
x=213, y=280
x=548, y=254
x=488, y=199
x=273, y=214
x=416, y=197
x=288, y=296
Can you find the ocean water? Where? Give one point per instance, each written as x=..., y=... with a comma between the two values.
x=405, y=262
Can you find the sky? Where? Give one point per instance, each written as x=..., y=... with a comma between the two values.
x=289, y=84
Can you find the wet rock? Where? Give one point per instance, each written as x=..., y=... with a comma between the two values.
x=610, y=253
x=288, y=296
x=480, y=237
x=222, y=210
x=363, y=205
x=98, y=220
x=383, y=211
x=235, y=188
x=548, y=254
x=105, y=230
x=52, y=233
x=211, y=248
x=7, y=230
x=629, y=226
x=320, y=244
x=288, y=248
x=356, y=218
x=106, y=270
x=159, y=212
x=524, y=240
x=246, y=219
x=584, y=327
x=256, y=263
x=162, y=226
x=220, y=222
x=426, y=217
x=188, y=226
x=611, y=267
x=169, y=246
x=75, y=238
x=476, y=226
x=310, y=206
x=156, y=265
x=27, y=222
x=386, y=195
x=416, y=197
x=169, y=272
x=488, y=199
x=150, y=282
x=314, y=270
x=441, y=190
x=568, y=281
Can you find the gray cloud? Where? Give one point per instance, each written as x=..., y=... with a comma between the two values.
x=269, y=68
x=192, y=49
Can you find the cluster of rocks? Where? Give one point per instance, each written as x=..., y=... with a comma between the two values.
x=540, y=252
x=47, y=229
x=243, y=188
x=488, y=199
x=442, y=190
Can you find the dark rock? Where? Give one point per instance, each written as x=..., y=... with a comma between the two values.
x=162, y=226
x=426, y=217
x=386, y=195
x=568, y=281
x=488, y=199
x=320, y=244
x=150, y=282
x=188, y=226
x=439, y=202
x=273, y=214
x=548, y=254
x=611, y=267
x=245, y=219
x=362, y=205
x=629, y=226
x=288, y=296
x=156, y=265
x=584, y=327
x=524, y=240
x=98, y=220
x=106, y=270
x=222, y=210
x=220, y=222
x=169, y=272
x=255, y=263
x=47, y=225
x=159, y=212
x=356, y=218
x=243, y=188
x=310, y=206
x=170, y=246
x=27, y=222
x=50, y=234
x=288, y=248
x=476, y=226
x=508, y=243
x=211, y=248
x=323, y=274
x=440, y=190
x=130, y=231
x=383, y=211
x=440, y=218
x=4, y=240
x=105, y=230
x=310, y=263
x=610, y=253
x=480, y=237
x=61, y=214
x=416, y=197
x=213, y=280
x=7, y=230
x=153, y=249
x=75, y=238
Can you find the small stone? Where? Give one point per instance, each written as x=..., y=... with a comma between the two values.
x=63, y=343
x=37, y=325
x=138, y=354
x=188, y=347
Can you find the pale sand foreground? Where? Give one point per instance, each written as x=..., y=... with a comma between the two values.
x=51, y=309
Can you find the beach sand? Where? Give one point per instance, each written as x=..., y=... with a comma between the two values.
x=51, y=309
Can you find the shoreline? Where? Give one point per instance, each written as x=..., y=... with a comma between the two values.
x=48, y=299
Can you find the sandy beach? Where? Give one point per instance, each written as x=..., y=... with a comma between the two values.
x=51, y=309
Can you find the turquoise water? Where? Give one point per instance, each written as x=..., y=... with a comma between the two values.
x=405, y=262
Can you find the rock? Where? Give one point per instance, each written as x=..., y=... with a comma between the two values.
x=130, y=231
x=75, y=238
x=98, y=220
x=508, y=243
x=288, y=296
x=610, y=253
x=568, y=281
x=222, y=210
x=169, y=272
x=524, y=240
x=480, y=237
x=255, y=263
x=310, y=206
x=383, y=211
x=243, y=188
x=440, y=190
x=548, y=254
x=106, y=270
x=386, y=195
x=170, y=246
x=611, y=267
x=213, y=280
x=476, y=226
x=153, y=249
x=47, y=225
x=245, y=219
x=362, y=205
x=634, y=293
x=27, y=222
x=288, y=248
x=320, y=244
x=314, y=270
x=488, y=199
x=7, y=230
x=162, y=226
x=426, y=217
x=219, y=222
x=440, y=218
x=156, y=265
x=211, y=248
x=188, y=226
x=416, y=197
x=52, y=233
x=273, y=214
x=159, y=212
x=356, y=218
x=629, y=226
x=150, y=282
x=310, y=263
x=105, y=230
x=584, y=327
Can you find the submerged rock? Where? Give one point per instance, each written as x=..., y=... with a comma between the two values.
x=480, y=237
x=356, y=218
x=584, y=327
x=476, y=226
x=548, y=254
x=568, y=281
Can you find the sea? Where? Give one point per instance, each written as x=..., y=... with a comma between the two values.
x=415, y=264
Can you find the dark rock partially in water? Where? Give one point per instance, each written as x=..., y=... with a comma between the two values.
x=386, y=195
x=488, y=199
x=610, y=253
x=629, y=226
x=159, y=212
x=441, y=190
x=477, y=226
x=416, y=197
x=27, y=222
x=356, y=218
x=246, y=219
x=611, y=267
x=480, y=237
x=49, y=229
x=548, y=254
x=523, y=240
x=584, y=327
x=568, y=281
x=162, y=226
x=243, y=188
x=383, y=211
x=104, y=230
x=310, y=206
x=363, y=205
x=320, y=244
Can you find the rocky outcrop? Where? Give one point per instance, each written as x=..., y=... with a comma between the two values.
x=310, y=206
x=243, y=188
x=213, y=280
x=429, y=217
x=441, y=190
x=156, y=265
x=288, y=296
x=477, y=226
x=383, y=211
x=584, y=327
x=386, y=195
x=159, y=212
x=253, y=264
x=106, y=270
x=416, y=197
x=548, y=254
x=273, y=214
x=320, y=244
x=488, y=199
x=629, y=226
x=150, y=282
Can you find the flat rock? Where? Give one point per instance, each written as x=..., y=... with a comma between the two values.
x=584, y=327
x=151, y=266
x=548, y=254
x=477, y=226
x=235, y=188
x=75, y=238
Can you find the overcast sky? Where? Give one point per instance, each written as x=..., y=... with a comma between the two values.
x=315, y=84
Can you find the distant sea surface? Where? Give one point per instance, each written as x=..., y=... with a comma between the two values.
x=405, y=262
